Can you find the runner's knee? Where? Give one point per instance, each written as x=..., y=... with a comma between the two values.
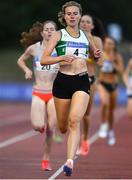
x=62, y=128
x=74, y=122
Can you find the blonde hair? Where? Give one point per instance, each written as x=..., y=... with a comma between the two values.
x=62, y=12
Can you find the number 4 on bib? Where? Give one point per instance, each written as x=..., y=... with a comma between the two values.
x=76, y=52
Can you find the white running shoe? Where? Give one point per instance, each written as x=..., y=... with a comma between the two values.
x=103, y=130
x=111, y=138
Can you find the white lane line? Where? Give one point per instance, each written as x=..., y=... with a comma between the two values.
x=94, y=138
x=91, y=141
x=18, y=138
x=59, y=171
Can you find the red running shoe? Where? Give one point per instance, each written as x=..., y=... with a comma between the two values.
x=85, y=147
x=42, y=130
x=46, y=165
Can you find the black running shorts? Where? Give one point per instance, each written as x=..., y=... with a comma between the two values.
x=92, y=80
x=66, y=85
x=109, y=87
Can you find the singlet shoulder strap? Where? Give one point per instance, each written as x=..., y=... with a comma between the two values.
x=84, y=33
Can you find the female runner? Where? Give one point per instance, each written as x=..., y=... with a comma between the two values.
x=43, y=114
x=108, y=81
x=91, y=26
x=71, y=87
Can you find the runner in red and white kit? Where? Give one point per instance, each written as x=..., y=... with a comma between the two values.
x=43, y=114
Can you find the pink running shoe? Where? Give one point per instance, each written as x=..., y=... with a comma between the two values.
x=46, y=165
x=85, y=147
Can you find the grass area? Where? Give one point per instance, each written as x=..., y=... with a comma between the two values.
x=9, y=71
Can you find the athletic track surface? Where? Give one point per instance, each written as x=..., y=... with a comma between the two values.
x=21, y=148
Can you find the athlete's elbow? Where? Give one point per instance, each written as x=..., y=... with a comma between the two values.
x=19, y=62
x=43, y=61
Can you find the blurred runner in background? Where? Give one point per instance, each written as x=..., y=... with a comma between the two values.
x=94, y=27
x=128, y=82
x=108, y=82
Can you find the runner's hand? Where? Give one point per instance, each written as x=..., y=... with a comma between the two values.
x=28, y=74
x=68, y=58
x=97, y=54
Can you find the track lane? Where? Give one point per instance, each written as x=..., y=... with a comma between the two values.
x=22, y=159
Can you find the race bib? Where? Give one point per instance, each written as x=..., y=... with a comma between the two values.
x=77, y=49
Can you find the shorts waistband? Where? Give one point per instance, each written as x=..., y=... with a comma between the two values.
x=76, y=75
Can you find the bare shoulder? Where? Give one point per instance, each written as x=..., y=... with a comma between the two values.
x=98, y=42
x=55, y=38
x=56, y=35
x=97, y=39
x=30, y=50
